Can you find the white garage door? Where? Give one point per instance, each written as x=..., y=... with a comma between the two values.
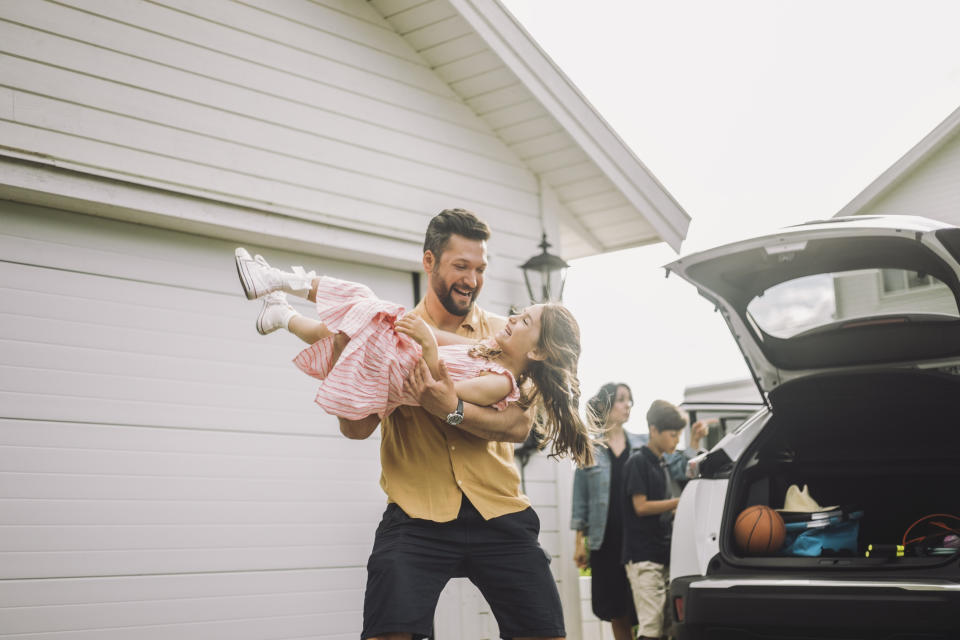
x=164, y=472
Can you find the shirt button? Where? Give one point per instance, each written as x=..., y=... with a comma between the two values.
x=459, y=481
x=452, y=448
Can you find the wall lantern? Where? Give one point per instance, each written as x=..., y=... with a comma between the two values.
x=545, y=275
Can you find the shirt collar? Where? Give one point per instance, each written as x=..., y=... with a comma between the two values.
x=471, y=323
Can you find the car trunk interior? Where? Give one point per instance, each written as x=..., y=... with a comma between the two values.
x=884, y=443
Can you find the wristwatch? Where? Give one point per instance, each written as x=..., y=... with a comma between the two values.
x=455, y=418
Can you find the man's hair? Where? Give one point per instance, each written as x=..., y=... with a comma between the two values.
x=665, y=416
x=453, y=222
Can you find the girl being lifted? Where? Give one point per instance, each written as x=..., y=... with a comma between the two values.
x=362, y=349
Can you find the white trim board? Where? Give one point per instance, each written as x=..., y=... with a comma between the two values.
x=39, y=184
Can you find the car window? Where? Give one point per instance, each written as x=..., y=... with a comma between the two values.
x=802, y=304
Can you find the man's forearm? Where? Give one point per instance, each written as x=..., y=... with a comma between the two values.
x=510, y=425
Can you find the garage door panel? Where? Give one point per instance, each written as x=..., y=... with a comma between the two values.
x=186, y=394
x=38, y=292
x=266, y=352
x=181, y=467
x=19, y=565
x=80, y=591
x=358, y=508
x=120, y=250
x=150, y=538
x=49, y=357
x=323, y=448
x=136, y=614
x=38, y=406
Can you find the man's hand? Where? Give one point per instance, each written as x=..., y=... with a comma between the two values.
x=437, y=395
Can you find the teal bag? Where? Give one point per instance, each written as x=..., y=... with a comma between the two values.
x=836, y=536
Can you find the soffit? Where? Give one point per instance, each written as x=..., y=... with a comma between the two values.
x=610, y=201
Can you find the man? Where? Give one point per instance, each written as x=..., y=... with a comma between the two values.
x=652, y=495
x=455, y=507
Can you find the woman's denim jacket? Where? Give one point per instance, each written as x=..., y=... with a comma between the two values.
x=591, y=488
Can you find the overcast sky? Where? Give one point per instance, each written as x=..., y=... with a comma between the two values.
x=754, y=115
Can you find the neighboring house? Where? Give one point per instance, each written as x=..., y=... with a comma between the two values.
x=163, y=471
x=924, y=182
x=725, y=404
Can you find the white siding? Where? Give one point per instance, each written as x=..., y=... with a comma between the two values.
x=932, y=189
x=309, y=110
x=163, y=473
x=148, y=431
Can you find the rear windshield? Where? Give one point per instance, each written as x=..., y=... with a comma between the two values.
x=804, y=304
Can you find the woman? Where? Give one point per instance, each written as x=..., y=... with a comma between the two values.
x=598, y=508
x=598, y=503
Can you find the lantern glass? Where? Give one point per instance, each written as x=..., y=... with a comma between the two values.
x=545, y=275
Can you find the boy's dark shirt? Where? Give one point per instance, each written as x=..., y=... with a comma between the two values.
x=646, y=538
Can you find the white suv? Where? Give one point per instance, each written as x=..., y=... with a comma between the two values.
x=851, y=329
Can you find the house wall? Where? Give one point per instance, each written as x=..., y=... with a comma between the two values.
x=861, y=294
x=313, y=112
x=930, y=189
x=147, y=483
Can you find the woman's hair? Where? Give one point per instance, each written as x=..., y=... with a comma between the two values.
x=598, y=407
x=557, y=389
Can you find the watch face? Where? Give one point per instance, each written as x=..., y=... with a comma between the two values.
x=454, y=419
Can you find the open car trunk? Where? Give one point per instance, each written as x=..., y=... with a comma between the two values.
x=886, y=444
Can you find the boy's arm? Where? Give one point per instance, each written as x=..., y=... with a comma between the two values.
x=635, y=486
x=643, y=507
x=438, y=396
x=483, y=390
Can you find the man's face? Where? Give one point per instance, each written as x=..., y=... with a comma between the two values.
x=457, y=276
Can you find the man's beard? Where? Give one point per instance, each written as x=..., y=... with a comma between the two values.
x=446, y=299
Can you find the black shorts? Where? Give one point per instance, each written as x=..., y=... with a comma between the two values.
x=413, y=560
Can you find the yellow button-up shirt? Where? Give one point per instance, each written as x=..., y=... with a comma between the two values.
x=427, y=465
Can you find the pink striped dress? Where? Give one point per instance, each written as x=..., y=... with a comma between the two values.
x=368, y=376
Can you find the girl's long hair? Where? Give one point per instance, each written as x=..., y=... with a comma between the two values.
x=556, y=393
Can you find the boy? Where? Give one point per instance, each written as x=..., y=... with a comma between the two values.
x=652, y=496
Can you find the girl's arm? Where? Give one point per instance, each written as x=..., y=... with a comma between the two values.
x=445, y=338
x=483, y=390
x=414, y=326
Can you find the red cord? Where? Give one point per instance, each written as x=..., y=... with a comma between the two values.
x=939, y=524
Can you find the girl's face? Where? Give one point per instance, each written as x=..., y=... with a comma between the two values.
x=620, y=410
x=521, y=334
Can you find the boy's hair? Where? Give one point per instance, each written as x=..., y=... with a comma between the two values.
x=453, y=222
x=557, y=389
x=666, y=416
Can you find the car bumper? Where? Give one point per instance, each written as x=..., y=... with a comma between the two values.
x=763, y=608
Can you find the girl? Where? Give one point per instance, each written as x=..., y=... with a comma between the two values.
x=362, y=349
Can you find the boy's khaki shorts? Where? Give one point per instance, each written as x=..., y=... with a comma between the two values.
x=648, y=582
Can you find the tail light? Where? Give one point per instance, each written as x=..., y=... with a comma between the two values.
x=678, y=608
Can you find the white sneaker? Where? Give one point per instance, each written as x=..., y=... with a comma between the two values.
x=257, y=277
x=275, y=313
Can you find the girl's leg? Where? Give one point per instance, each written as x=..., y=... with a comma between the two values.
x=308, y=329
x=311, y=331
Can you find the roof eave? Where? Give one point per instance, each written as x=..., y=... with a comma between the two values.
x=521, y=54
x=910, y=160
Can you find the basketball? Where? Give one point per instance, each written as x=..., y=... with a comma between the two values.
x=759, y=530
